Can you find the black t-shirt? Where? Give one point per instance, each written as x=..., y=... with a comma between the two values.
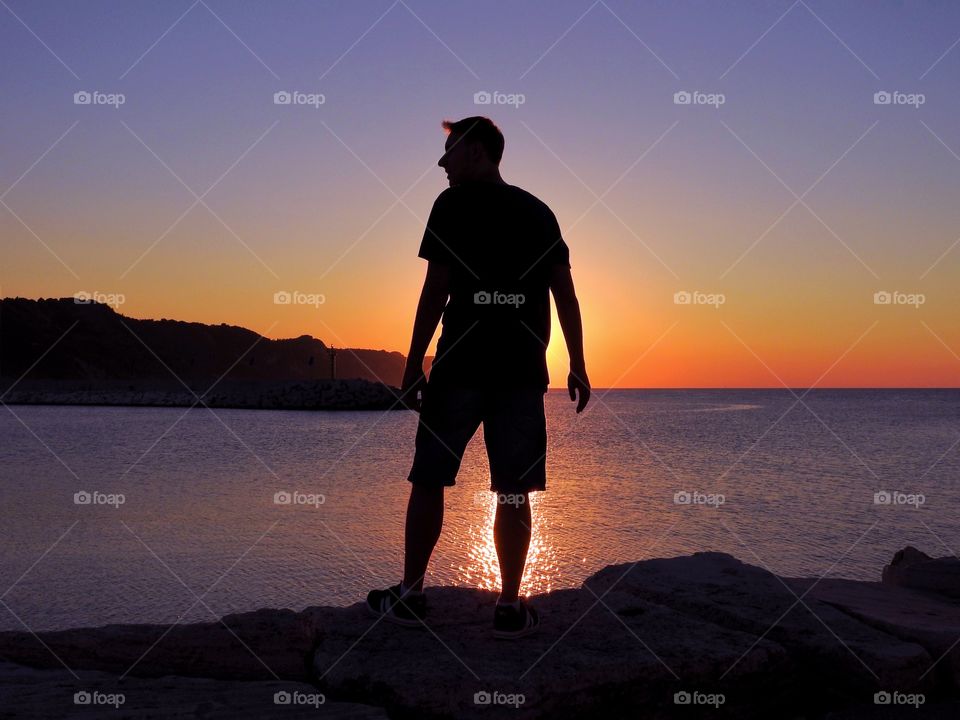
x=500, y=243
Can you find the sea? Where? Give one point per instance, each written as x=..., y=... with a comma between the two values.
x=165, y=515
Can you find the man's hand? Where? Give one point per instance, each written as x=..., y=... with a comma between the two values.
x=413, y=380
x=579, y=383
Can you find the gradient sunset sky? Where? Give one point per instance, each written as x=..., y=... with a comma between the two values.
x=796, y=199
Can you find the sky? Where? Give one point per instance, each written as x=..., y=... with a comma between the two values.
x=755, y=194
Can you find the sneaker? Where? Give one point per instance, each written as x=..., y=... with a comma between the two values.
x=409, y=611
x=510, y=623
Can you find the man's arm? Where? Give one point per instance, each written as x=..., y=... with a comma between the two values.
x=433, y=298
x=568, y=310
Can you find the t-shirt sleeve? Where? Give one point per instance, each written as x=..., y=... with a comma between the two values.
x=557, y=252
x=438, y=236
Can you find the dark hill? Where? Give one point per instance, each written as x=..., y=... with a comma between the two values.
x=91, y=341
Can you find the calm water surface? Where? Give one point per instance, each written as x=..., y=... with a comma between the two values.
x=199, y=518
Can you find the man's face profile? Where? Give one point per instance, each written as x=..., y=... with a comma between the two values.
x=459, y=158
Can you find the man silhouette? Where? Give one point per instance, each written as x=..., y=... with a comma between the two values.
x=494, y=254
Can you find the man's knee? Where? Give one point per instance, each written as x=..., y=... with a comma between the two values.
x=426, y=489
x=513, y=503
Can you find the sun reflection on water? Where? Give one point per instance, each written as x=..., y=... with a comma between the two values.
x=482, y=569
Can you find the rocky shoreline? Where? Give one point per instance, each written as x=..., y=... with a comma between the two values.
x=695, y=636
x=355, y=394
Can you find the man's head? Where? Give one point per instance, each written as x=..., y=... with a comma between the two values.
x=473, y=150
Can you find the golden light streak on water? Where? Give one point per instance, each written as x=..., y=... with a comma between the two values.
x=482, y=569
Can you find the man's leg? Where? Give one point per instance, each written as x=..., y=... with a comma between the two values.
x=511, y=535
x=424, y=521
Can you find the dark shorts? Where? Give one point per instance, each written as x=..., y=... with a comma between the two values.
x=514, y=431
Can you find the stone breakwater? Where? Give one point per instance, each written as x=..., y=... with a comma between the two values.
x=694, y=636
x=264, y=395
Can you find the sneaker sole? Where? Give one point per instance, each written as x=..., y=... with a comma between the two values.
x=389, y=617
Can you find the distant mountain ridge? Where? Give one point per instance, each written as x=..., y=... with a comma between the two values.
x=91, y=341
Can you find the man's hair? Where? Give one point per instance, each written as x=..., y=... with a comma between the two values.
x=479, y=129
